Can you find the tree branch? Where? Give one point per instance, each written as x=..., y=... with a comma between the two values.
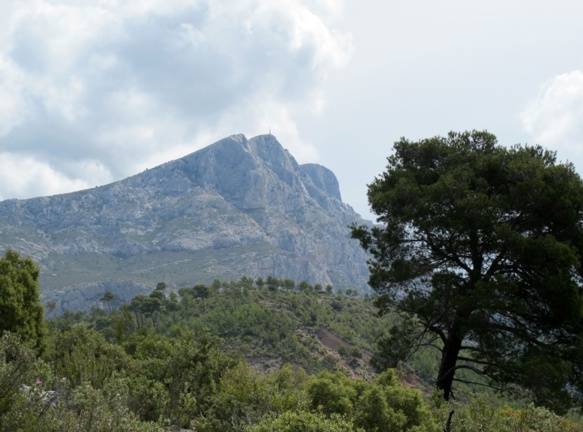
x=463, y=381
x=473, y=369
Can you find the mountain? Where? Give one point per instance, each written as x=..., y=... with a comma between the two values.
x=237, y=207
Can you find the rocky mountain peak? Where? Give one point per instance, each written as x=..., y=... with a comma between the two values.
x=324, y=179
x=239, y=207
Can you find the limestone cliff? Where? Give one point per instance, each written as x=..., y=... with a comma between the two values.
x=237, y=207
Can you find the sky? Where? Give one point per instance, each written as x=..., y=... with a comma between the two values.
x=94, y=91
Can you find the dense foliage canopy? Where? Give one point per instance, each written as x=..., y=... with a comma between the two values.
x=483, y=245
x=20, y=309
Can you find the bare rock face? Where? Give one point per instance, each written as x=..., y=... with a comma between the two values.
x=236, y=208
x=323, y=179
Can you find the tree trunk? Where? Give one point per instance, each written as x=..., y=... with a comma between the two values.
x=449, y=358
x=448, y=424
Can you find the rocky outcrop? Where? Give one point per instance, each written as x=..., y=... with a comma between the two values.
x=323, y=179
x=237, y=207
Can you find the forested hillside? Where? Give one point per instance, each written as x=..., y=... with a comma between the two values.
x=250, y=355
x=268, y=323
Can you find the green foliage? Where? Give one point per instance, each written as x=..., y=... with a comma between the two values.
x=34, y=397
x=272, y=283
x=254, y=320
x=83, y=356
x=303, y=422
x=246, y=397
x=378, y=405
x=16, y=360
x=20, y=309
x=402, y=402
x=481, y=243
x=198, y=291
x=356, y=352
x=194, y=372
x=394, y=347
x=145, y=306
x=332, y=393
x=482, y=415
x=108, y=297
x=172, y=374
x=343, y=350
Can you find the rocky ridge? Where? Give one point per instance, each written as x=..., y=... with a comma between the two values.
x=237, y=207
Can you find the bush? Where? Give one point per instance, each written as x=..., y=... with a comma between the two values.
x=303, y=421
x=482, y=415
x=83, y=355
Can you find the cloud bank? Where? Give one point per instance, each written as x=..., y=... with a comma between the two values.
x=554, y=118
x=93, y=93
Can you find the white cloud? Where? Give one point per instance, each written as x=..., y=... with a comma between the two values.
x=12, y=98
x=123, y=85
x=29, y=177
x=554, y=118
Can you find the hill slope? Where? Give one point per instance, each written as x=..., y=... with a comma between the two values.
x=237, y=207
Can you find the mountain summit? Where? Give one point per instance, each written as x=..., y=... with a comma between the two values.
x=239, y=207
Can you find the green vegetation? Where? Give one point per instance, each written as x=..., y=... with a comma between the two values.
x=198, y=361
x=271, y=320
x=20, y=308
x=481, y=249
